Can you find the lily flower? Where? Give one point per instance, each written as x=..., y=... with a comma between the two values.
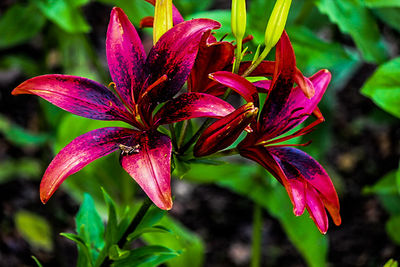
x=141, y=83
x=306, y=182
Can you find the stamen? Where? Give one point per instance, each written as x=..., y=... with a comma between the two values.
x=153, y=85
x=223, y=37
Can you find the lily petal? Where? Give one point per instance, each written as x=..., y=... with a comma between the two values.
x=225, y=131
x=316, y=209
x=79, y=153
x=297, y=107
x=125, y=55
x=192, y=105
x=150, y=166
x=174, y=55
x=239, y=84
x=77, y=95
x=212, y=57
x=312, y=173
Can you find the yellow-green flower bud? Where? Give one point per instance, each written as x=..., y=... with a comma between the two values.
x=162, y=18
x=276, y=23
x=238, y=18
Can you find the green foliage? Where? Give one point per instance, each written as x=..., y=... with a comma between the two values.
x=34, y=229
x=223, y=17
x=25, y=167
x=390, y=16
x=382, y=3
x=65, y=13
x=89, y=227
x=134, y=9
x=96, y=243
x=361, y=25
x=37, y=261
x=188, y=7
x=19, y=24
x=246, y=180
x=19, y=136
x=383, y=87
x=391, y=263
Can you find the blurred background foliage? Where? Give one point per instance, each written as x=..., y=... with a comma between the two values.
x=357, y=40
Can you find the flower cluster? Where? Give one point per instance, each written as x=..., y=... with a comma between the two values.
x=144, y=94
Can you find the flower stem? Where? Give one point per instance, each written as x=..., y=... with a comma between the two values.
x=183, y=133
x=256, y=238
x=256, y=63
x=173, y=136
x=186, y=146
x=132, y=227
x=225, y=153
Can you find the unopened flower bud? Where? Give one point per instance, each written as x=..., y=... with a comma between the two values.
x=162, y=18
x=276, y=23
x=238, y=18
x=225, y=131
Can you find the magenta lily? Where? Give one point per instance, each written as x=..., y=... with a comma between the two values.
x=307, y=183
x=140, y=83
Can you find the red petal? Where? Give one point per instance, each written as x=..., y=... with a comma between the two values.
x=225, y=131
x=79, y=153
x=125, y=55
x=77, y=95
x=150, y=166
x=192, y=105
x=212, y=56
x=174, y=55
x=239, y=84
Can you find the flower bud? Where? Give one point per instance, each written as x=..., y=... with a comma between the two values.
x=162, y=18
x=276, y=23
x=225, y=131
x=238, y=18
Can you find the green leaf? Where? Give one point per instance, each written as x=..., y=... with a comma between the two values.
x=22, y=63
x=111, y=236
x=383, y=87
x=361, y=25
x=187, y=7
x=37, y=261
x=25, y=167
x=390, y=16
x=223, y=17
x=115, y=253
x=385, y=186
x=84, y=257
x=382, y=3
x=90, y=226
x=391, y=263
x=64, y=13
x=19, y=24
x=147, y=255
x=393, y=228
x=134, y=9
x=20, y=136
x=155, y=229
x=181, y=239
x=247, y=181
x=35, y=230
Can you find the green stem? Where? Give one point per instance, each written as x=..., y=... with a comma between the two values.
x=257, y=62
x=132, y=227
x=256, y=238
x=173, y=136
x=183, y=133
x=186, y=146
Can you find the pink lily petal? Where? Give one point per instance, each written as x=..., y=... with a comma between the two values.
x=239, y=84
x=150, y=166
x=263, y=86
x=225, y=131
x=304, y=84
x=79, y=153
x=174, y=55
x=316, y=209
x=176, y=15
x=312, y=173
x=125, y=55
x=192, y=105
x=77, y=95
x=212, y=56
x=297, y=106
